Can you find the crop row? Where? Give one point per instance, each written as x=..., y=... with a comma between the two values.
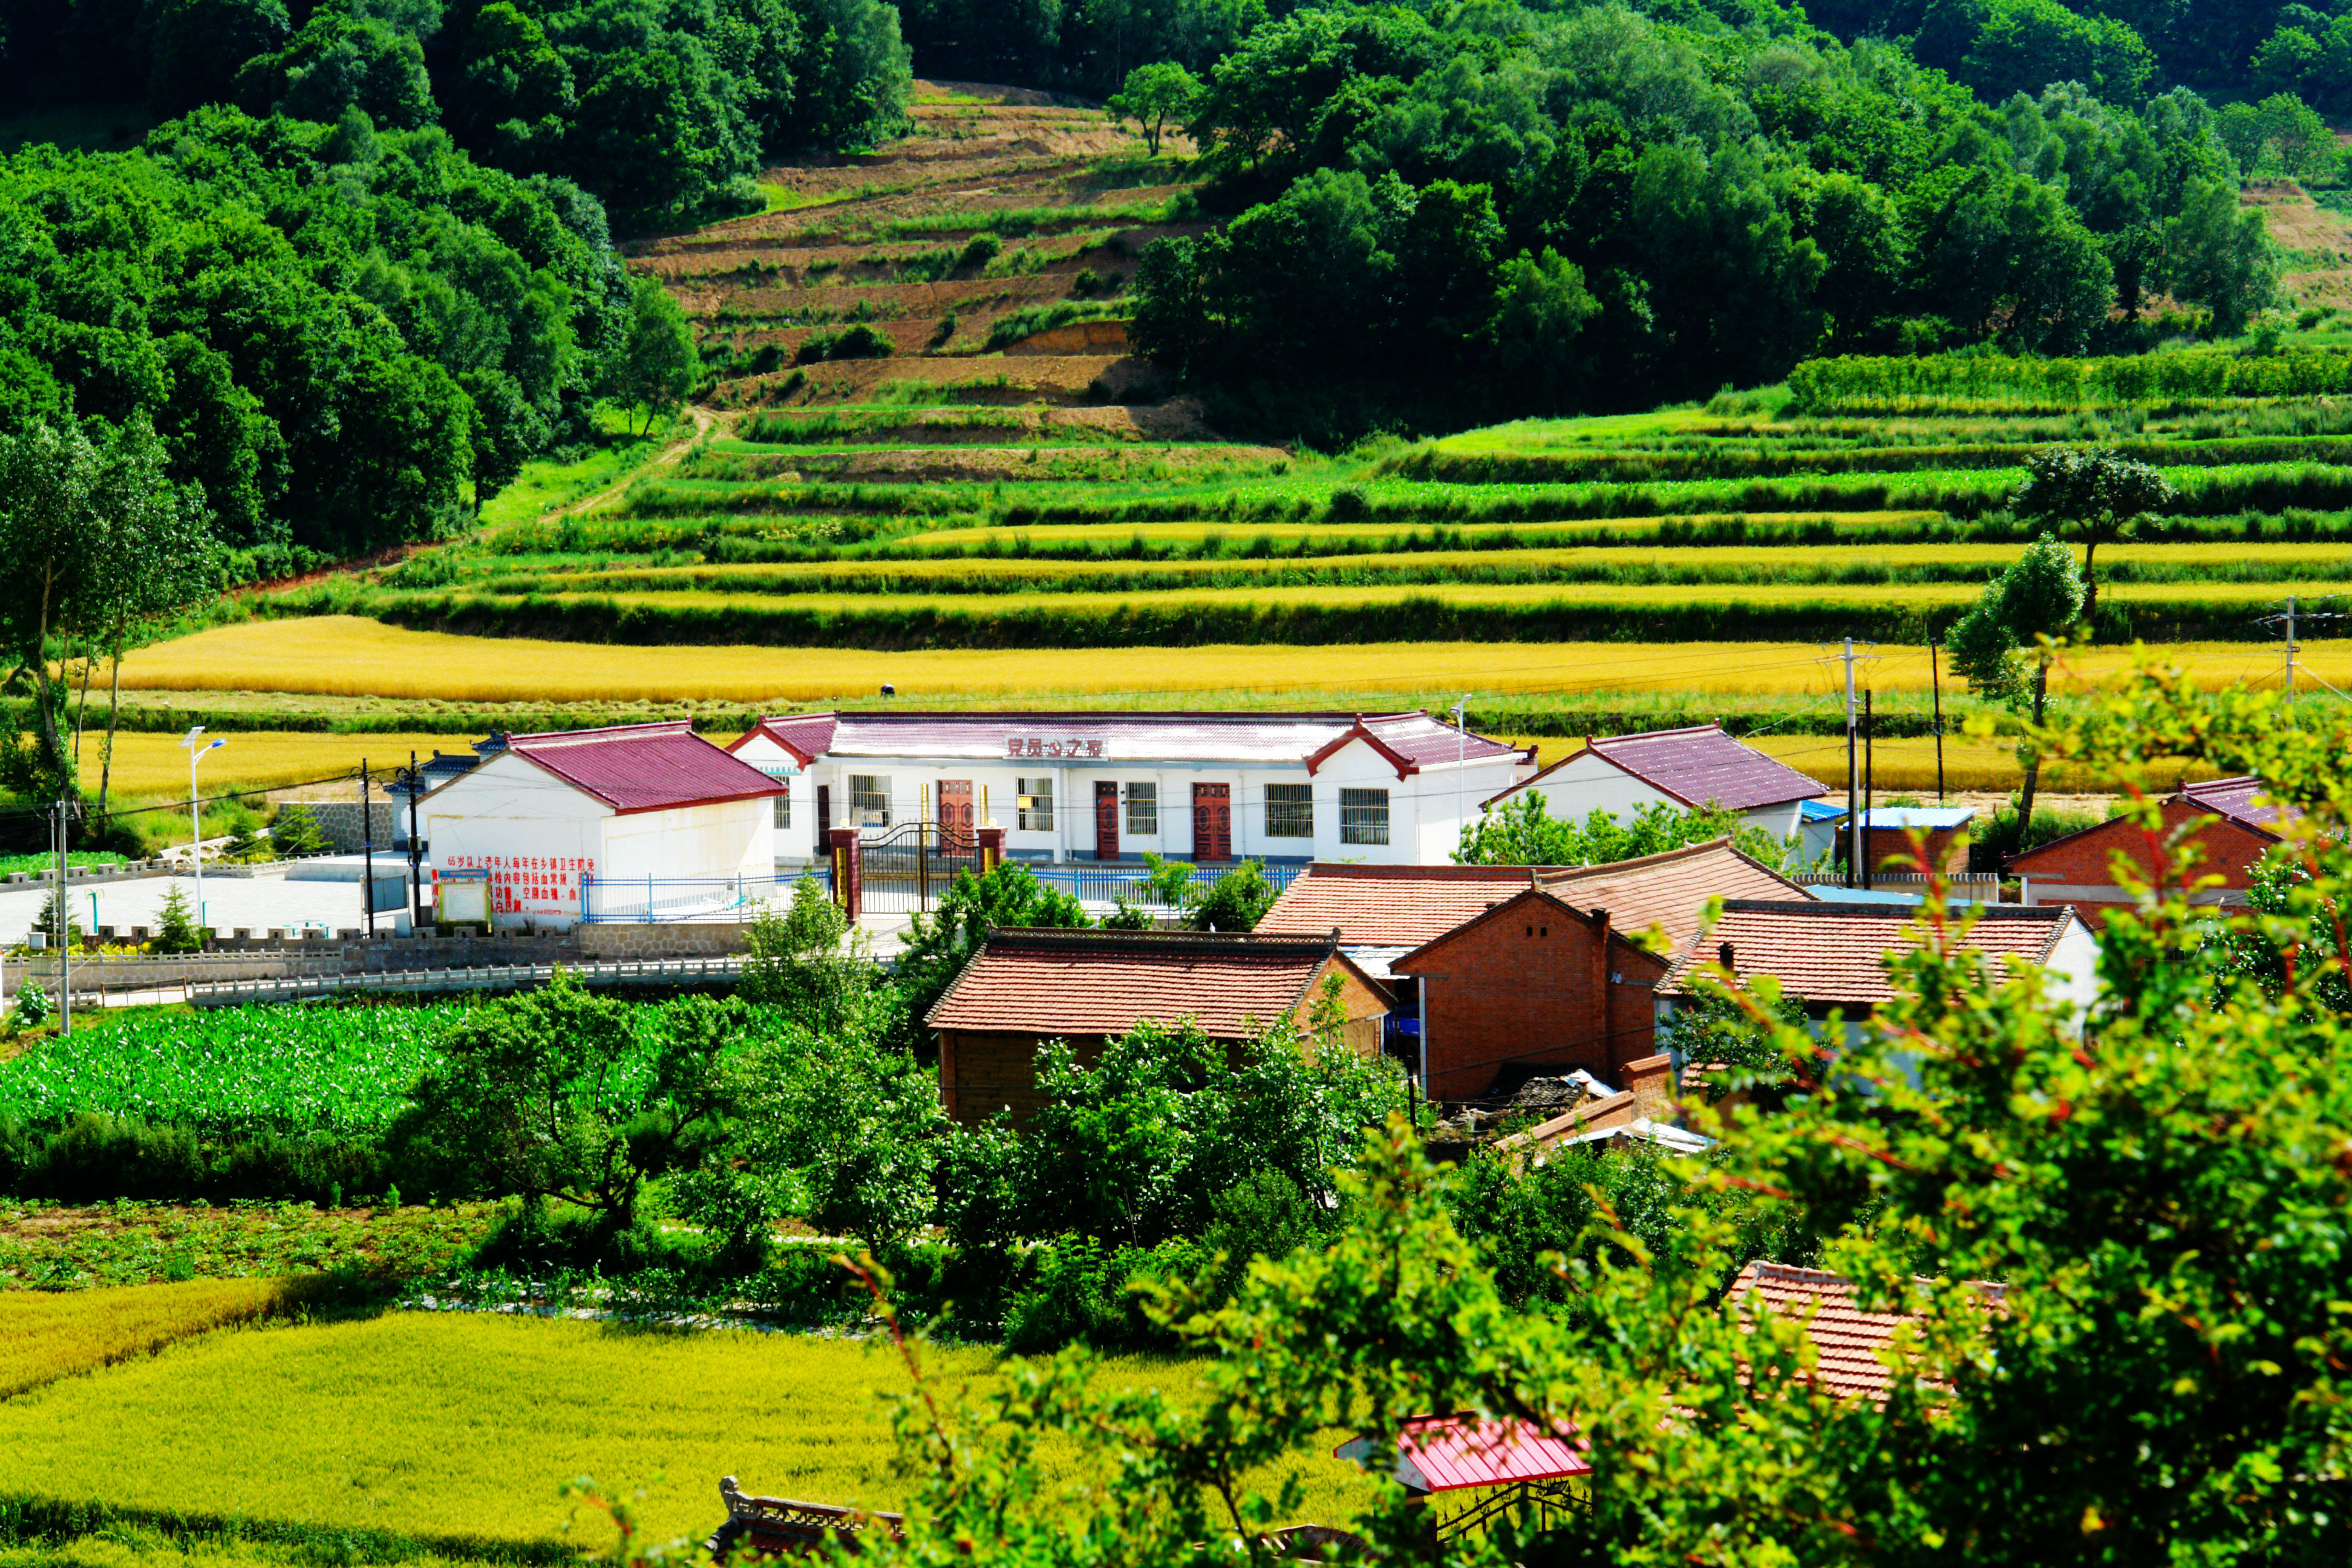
x=1501, y=613
x=1746, y=566
x=1755, y=459
x=1865, y=384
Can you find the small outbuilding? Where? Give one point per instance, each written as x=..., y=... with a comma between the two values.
x=552, y=817
x=1025, y=987
x=1678, y=769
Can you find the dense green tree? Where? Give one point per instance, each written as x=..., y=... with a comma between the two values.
x=198, y=47
x=2001, y=645
x=337, y=62
x=938, y=945
x=656, y=367
x=1523, y=832
x=2217, y=253
x=1152, y=96
x=2095, y=495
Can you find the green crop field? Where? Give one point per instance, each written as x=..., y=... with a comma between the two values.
x=463, y=1428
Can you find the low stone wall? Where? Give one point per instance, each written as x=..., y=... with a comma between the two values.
x=679, y=940
x=341, y=825
x=275, y=955
x=83, y=876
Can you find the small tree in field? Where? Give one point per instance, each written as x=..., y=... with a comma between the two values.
x=175, y=927
x=2040, y=595
x=2093, y=494
x=1150, y=96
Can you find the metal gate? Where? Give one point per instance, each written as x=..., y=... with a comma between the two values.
x=908, y=868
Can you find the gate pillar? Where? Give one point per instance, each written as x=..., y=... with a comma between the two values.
x=848, y=872
x=992, y=848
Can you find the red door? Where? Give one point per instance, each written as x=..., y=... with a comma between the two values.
x=1105, y=819
x=1212, y=822
x=955, y=808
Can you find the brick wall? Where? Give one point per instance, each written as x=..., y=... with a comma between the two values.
x=1946, y=849
x=2083, y=862
x=1524, y=986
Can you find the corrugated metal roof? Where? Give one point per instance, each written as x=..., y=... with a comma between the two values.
x=1447, y=1453
x=1836, y=954
x=1419, y=738
x=2236, y=799
x=1698, y=767
x=1087, y=982
x=644, y=767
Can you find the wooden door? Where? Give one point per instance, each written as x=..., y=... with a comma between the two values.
x=823, y=815
x=1212, y=822
x=955, y=808
x=1105, y=819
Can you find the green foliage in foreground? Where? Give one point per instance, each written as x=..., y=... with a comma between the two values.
x=47, y=865
x=2155, y=1188
x=1523, y=832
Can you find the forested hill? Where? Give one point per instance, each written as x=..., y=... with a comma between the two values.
x=1469, y=212
x=369, y=269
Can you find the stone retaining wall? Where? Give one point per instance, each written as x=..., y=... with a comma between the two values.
x=679, y=940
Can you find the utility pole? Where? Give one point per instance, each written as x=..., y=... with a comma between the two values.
x=1461, y=761
x=1869, y=779
x=367, y=846
x=2290, y=653
x=416, y=852
x=1935, y=681
x=64, y=930
x=1852, y=817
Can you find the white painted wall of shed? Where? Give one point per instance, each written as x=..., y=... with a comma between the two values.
x=1588, y=784
x=513, y=819
x=798, y=842
x=536, y=836
x=732, y=838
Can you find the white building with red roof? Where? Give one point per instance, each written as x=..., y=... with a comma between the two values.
x=1678, y=769
x=1383, y=788
x=552, y=813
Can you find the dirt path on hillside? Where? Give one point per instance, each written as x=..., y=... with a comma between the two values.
x=705, y=421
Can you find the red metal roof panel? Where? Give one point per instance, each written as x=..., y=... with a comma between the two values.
x=1446, y=1453
x=2237, y=800
x=644, y=767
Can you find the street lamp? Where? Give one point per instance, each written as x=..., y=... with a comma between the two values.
x=195, y=815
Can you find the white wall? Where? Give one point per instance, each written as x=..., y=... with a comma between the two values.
x=798, y=842
x=1585, y=785
x=1423, y=826
x=534, y=834
x=734, y=838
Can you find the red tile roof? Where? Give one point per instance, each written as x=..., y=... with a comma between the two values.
x=1406, y=906
x=2236, y=799
x=1411, y=741
x=1852, y=1345
x=1671, y=889
x=1698, y=767
x=1083, y=983
x=1849, y=1342
x=644, y=767
x=1388, y=906
x=1836, y=954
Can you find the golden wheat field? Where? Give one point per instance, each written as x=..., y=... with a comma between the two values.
x=47, y=1336
x=349, y=656
x=472, y=1423
x=1908, y=765
x=148, y=765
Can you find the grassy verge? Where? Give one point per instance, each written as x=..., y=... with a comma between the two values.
x=58, y=1247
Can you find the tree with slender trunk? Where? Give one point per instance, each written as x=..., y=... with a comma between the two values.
x=2094, y=494
x=48, y=473
x=2039, y=597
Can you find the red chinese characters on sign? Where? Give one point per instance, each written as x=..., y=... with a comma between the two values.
x=529, y=884
x=1026, y=746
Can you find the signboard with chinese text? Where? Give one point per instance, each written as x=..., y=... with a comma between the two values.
x=1061, y=747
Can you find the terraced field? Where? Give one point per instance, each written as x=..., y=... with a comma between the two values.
x=922, y=455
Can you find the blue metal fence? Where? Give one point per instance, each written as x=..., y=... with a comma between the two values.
x=642, y=899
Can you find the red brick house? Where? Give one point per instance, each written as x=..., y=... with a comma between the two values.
x=1025, y=987
x=2228, y=820
x=1468, y=1013
x=1534, y=982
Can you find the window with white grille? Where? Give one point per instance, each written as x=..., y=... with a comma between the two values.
x=1290, y=811
x=869, y=800
x=1363, y=816
x=1142, y=810
x=784, y=803
x=1035, y=805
